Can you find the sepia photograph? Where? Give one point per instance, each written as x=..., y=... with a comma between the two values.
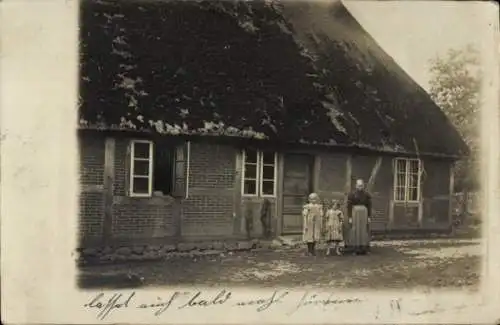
x=249, y=162
x=278, y=143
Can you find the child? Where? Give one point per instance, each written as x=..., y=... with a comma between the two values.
x=312, y=213
x=333, y=228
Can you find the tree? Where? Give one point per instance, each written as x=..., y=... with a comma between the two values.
x=455, y=87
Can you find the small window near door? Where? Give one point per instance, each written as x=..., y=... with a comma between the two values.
x=407, y=180
x=259, y=173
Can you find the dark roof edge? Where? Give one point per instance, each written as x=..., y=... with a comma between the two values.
x=366, y=148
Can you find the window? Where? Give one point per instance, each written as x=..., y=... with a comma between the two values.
x=407, y=180
x=141, y=168
x=158, y=168
x=259, y=173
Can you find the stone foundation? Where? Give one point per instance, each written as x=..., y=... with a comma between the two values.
x=126, y=253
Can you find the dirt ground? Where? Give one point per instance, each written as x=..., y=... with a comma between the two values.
x=391, y=264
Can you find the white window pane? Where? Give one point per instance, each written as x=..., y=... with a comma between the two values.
x=141, y=150
x=250, y=171
x=268, y=158
x=141, y=168
x=251, y=156
x=140, y=185
x=268, y=187
x=250, y=187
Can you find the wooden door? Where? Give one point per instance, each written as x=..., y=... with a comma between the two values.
x=297, y=185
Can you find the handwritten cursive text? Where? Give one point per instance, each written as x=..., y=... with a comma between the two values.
x=315, y=300
x=264, y=303
x=198, y=301
x=116, y=301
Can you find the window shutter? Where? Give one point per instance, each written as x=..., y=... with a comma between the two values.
x=181, y=171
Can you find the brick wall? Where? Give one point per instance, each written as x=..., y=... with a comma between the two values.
x=91, y=151
x=208, y=212
x=121, y=165
x=214, y=208
x=138, y=217
x=210, y=207
x=143, y=217
x=212, y=166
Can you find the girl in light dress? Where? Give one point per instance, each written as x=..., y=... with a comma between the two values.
x=334, y=222
x=312, y=212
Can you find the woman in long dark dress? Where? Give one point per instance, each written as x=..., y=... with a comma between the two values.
x=359, y=210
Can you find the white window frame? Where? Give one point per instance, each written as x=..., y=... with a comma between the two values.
x=406, y=180
x=259, y=174
x=132, y=168
x=243, y=174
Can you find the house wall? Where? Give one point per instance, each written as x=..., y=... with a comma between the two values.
x=215, y=207
x=337, y=173
x=209, y=209
x=91, y=160
x=138, y=217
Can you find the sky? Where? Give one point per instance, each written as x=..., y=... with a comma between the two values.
x=413, y=32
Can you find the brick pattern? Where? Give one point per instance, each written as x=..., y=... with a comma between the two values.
x=121, y=165
x=212, y=166
x=206, y=215
x=138, y=218
x=91, y=160
x=91, y=215
x=209, y=211
x=91, y=149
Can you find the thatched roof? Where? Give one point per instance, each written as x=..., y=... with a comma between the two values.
x=290, y=72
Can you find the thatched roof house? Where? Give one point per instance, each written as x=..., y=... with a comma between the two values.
x=292, y=77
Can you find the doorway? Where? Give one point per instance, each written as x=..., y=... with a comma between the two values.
x=297, y=185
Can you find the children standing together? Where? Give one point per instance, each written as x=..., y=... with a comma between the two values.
x=320, y=224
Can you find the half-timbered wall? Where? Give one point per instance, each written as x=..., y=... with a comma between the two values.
x=215, y=207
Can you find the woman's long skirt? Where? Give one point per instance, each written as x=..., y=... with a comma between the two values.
x=358, y=236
